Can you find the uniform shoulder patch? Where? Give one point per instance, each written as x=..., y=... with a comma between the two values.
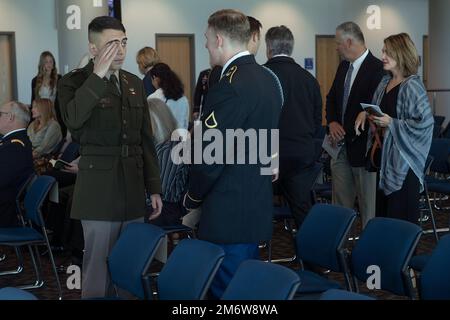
x=18, y=141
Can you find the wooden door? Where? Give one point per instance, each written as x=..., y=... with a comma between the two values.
x=327, y=62
x=178, y=52
x=8, y=86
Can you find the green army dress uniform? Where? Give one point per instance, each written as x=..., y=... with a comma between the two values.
x=118, y=158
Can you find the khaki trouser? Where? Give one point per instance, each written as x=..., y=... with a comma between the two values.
x=353, y=182
x=99, y=239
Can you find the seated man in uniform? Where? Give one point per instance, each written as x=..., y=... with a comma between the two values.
x=16, y=160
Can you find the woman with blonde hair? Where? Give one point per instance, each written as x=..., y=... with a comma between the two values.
x=146, y=58
x=404, y=131
x=44, y=84
x=44, y=131
x=173, y=176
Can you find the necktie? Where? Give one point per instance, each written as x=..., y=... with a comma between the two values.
x=114, y=81
x=347, y=87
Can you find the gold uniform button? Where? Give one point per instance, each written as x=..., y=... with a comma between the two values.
x=124, y=136
x=124, y=121
x=91, y=166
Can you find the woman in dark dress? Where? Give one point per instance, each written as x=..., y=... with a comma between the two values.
x=406, y=128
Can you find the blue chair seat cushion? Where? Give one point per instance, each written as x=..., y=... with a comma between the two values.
x=419, y=262
x=176, y=228
x=19, y=235
x=311, y=282
x=438, y=185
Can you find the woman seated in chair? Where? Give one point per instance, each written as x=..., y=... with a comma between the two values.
x=44, y=131
x=406, y=129
x=173, y=176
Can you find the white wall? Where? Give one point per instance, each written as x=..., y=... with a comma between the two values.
x=34, y=25
x=33, y=22
x=306, y=19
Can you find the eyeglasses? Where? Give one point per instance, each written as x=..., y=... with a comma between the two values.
x=2, y=112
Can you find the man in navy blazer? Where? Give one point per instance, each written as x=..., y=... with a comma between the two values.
x=300, y=120
x=355, y=82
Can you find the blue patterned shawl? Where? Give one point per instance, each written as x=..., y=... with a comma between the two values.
x=407, y=140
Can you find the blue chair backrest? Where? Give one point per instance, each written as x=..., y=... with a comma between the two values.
x=132, y=254
x=440, y=151
x=189, y=270
x=322, y=234
x=71, y=152
x=388, y=244
x=10, y=293
x=35, y=196
x=435, y=277
x=337, y=294
x=258, y=280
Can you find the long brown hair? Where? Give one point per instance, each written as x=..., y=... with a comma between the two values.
x=47, y=111
x=40, y=76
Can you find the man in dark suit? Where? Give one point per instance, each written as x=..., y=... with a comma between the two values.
x=355, y=82
x=16, y=161
x=300, y=120
x=236, y=199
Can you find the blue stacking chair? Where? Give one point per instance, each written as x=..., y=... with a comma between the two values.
x=389, y=244
x=320, y=242
x=131, y=256
x=27, y=235
x=440, y=151
x=337, y=294
x=258, y=280
x=283, y=213
x=20, y=210
x=434, y=282
x=10, y=293
x=189, y=270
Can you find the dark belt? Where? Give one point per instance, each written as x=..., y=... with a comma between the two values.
x=123, y=151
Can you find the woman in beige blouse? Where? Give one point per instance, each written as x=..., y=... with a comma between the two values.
x=44, y=131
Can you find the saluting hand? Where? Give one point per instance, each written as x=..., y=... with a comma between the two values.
x=156, y=205
x=105, y=57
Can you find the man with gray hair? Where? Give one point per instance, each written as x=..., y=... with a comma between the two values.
x=355, y=82
x=300, y=120
x=16, y=160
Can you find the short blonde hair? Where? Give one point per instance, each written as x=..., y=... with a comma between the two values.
x=147, y=57
x=401, y=48
x=162, y=120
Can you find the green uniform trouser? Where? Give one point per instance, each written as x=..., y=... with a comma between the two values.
x=99, y=239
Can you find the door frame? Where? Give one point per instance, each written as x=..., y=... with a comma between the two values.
x=322, y=36
x=12, y=36
x=191, y=37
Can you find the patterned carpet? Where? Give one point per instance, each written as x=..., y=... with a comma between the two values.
x=282, y=245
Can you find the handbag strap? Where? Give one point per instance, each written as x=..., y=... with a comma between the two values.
x=377, y=143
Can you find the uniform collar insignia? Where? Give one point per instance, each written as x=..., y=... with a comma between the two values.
x=230, y=73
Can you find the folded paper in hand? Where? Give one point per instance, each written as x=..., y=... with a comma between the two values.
x=331, y=148
x=372, y=109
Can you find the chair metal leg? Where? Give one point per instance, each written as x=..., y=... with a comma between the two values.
x=2, y=257
x=38, y=283
x=433, y=221
x=19, y=268
x=52, y=260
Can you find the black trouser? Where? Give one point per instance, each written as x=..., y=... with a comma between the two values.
x=296, y=188
x=402, y=204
